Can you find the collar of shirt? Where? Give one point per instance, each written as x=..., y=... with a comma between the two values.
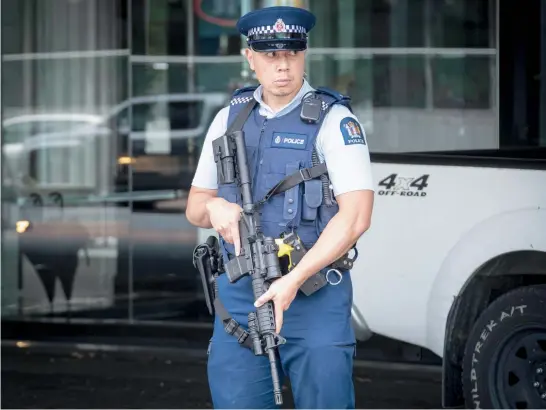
x=267, y=112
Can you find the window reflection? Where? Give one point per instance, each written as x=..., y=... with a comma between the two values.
x=105, y=111
x=64, y=67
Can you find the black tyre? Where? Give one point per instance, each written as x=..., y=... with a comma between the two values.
x=504, y=365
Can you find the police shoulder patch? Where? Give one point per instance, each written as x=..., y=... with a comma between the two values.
x=351, y=131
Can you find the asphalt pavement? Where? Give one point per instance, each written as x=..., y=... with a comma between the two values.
x=53, y=376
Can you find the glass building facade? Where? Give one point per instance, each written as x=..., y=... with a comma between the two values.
x=105, y=105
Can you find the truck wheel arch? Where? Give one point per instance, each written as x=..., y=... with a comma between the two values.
x=496, y=277
x=466, y=285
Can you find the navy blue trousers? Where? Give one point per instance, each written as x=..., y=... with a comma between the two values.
x=317, y=357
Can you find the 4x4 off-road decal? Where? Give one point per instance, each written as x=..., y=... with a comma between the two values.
x=398, y=185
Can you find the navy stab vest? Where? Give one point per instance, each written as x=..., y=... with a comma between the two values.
x=276, y=148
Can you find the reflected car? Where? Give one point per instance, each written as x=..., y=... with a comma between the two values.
x=120, y=182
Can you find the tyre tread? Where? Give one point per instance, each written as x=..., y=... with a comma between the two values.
x=523, y=291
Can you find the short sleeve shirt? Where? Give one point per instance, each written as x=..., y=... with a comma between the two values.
x=341, y=143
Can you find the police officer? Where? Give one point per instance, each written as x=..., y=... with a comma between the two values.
x=282, y=136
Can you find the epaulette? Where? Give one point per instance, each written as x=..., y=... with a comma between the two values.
x=239, y=91
x=337, y=96
x=331, y=93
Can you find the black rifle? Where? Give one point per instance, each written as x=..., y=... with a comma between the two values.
x=258, y=256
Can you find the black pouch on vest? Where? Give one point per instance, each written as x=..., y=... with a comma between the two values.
x=312, y=198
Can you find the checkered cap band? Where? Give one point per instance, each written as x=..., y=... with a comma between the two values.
x=289, y=28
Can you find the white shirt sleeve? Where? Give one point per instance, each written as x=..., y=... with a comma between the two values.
x=205, y=174
x=341, y=143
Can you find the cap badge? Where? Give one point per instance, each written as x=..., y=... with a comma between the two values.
x=279, y=26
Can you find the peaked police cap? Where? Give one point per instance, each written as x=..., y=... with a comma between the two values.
x=277, y=28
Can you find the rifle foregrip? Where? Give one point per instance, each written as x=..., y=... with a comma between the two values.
x=265, y=313
x=266, y=318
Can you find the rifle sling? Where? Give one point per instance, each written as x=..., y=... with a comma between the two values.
x=239, y=122
x=231, y=326
x=302, y=175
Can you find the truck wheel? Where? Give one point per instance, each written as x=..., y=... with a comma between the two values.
x=504, y=365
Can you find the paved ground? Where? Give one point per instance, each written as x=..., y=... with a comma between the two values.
x=75, y=378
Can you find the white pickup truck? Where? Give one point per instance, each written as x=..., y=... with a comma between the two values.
x=455, y=262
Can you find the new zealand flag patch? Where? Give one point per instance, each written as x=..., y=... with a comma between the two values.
x=289, y=140
x=351, y=131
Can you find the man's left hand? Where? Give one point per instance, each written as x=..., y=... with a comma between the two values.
x=282, y=292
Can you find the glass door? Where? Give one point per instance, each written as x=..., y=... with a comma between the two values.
x=64, y=68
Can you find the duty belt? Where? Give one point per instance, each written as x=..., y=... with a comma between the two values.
x=208, y=260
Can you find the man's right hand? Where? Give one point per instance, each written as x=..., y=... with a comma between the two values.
x=224, y=217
